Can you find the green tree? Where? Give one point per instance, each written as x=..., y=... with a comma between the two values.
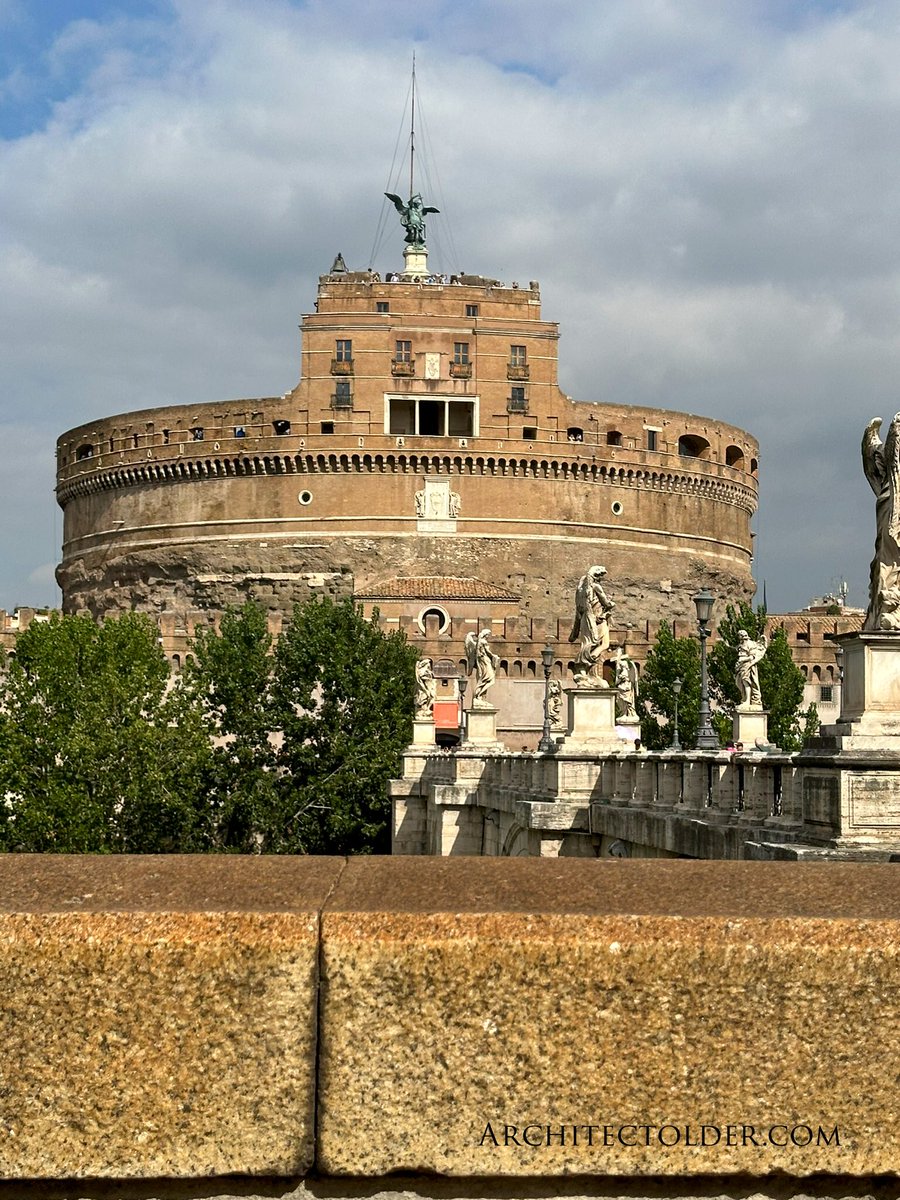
x=98, y=753
x=780, y=679
x=670, y=658
x=342, y=695
x=228, y=676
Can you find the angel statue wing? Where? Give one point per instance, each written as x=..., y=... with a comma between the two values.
x=471, y=651
x=398, y=203
x=428, y=209
x=873, y=456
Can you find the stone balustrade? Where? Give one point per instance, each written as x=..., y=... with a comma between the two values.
x=688, y=1025
x=686, y=804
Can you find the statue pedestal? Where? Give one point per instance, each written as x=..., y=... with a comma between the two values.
x=481, y=726
x=423, y=731
x=870, y=694
x=628, y=730
x=592, y=720
x=415, y=259
x=749, y=726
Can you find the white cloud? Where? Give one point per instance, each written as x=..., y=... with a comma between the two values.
x=706, y=193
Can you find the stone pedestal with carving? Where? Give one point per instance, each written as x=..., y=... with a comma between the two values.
x=850, y=773
x=423, y=731
x=481, y=726
x=750, y=726
x=870, y=694
x=592, y=720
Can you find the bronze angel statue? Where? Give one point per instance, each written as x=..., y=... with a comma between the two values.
x=481, y=660
x=881, y=463
x=412, y=217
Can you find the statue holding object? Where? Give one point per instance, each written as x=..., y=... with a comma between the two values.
x=881, y=464
x=591, y=627
x=425, y=690
x=626, y=687
x=749, y=655
x=412, y=217
x=481, y=660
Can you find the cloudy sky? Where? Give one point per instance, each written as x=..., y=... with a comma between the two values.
x=707, y=191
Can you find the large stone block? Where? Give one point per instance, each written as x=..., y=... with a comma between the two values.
x=610, y=1018
x=158, y=1014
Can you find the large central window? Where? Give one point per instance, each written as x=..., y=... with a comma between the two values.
x=431, y=416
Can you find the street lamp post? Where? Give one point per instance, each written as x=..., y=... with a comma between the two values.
x=545, y=745
x=676, y=688
x=706, y=737
x=462, y=684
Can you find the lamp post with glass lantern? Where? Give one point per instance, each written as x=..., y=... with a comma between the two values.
x=462, y=684
x=676, y=688
x=545, y=745
x=706, y=737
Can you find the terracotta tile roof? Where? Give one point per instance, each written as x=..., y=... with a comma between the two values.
x=436, y=587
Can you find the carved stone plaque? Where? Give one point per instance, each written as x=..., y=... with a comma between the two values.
x=875, y=800
x=437, y=507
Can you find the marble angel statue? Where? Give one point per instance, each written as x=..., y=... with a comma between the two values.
x=591, y=627
x=881, y=463
x=425, y=689
x=749, y=655
x=626, y=686
x=481, y=660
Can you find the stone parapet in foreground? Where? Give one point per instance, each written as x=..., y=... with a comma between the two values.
x=185, y=1017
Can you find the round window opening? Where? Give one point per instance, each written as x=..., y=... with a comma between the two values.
x=617, y=508
x=305, y=497
x=428, y=618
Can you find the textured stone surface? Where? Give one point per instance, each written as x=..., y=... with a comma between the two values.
x=465, y=994
x=430, y=1188
x=158, y=1014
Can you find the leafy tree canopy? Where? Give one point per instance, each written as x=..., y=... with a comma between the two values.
x=97, y=752
x=342, y=697
x=670, y=658
x=227, y=677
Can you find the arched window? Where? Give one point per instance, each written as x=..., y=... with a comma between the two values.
x=734, y=457
x=613, y=437
x=691, y=445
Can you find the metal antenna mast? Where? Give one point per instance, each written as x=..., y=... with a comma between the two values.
x=412, y=126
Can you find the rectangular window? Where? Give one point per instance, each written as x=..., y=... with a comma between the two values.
x=326, y=426
x=651, y=439
x=430, y=418
x=471, y=310
x=402, y=416
x=460, y=419
x=382, y=306
x=461, y=352
x=518, y=401
x=529, y=434
x=517, y=356
x=403, y=352
x=826, y=693
x=342, y=396
x=343, y=350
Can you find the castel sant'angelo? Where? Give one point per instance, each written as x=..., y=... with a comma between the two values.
x=427, y=463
